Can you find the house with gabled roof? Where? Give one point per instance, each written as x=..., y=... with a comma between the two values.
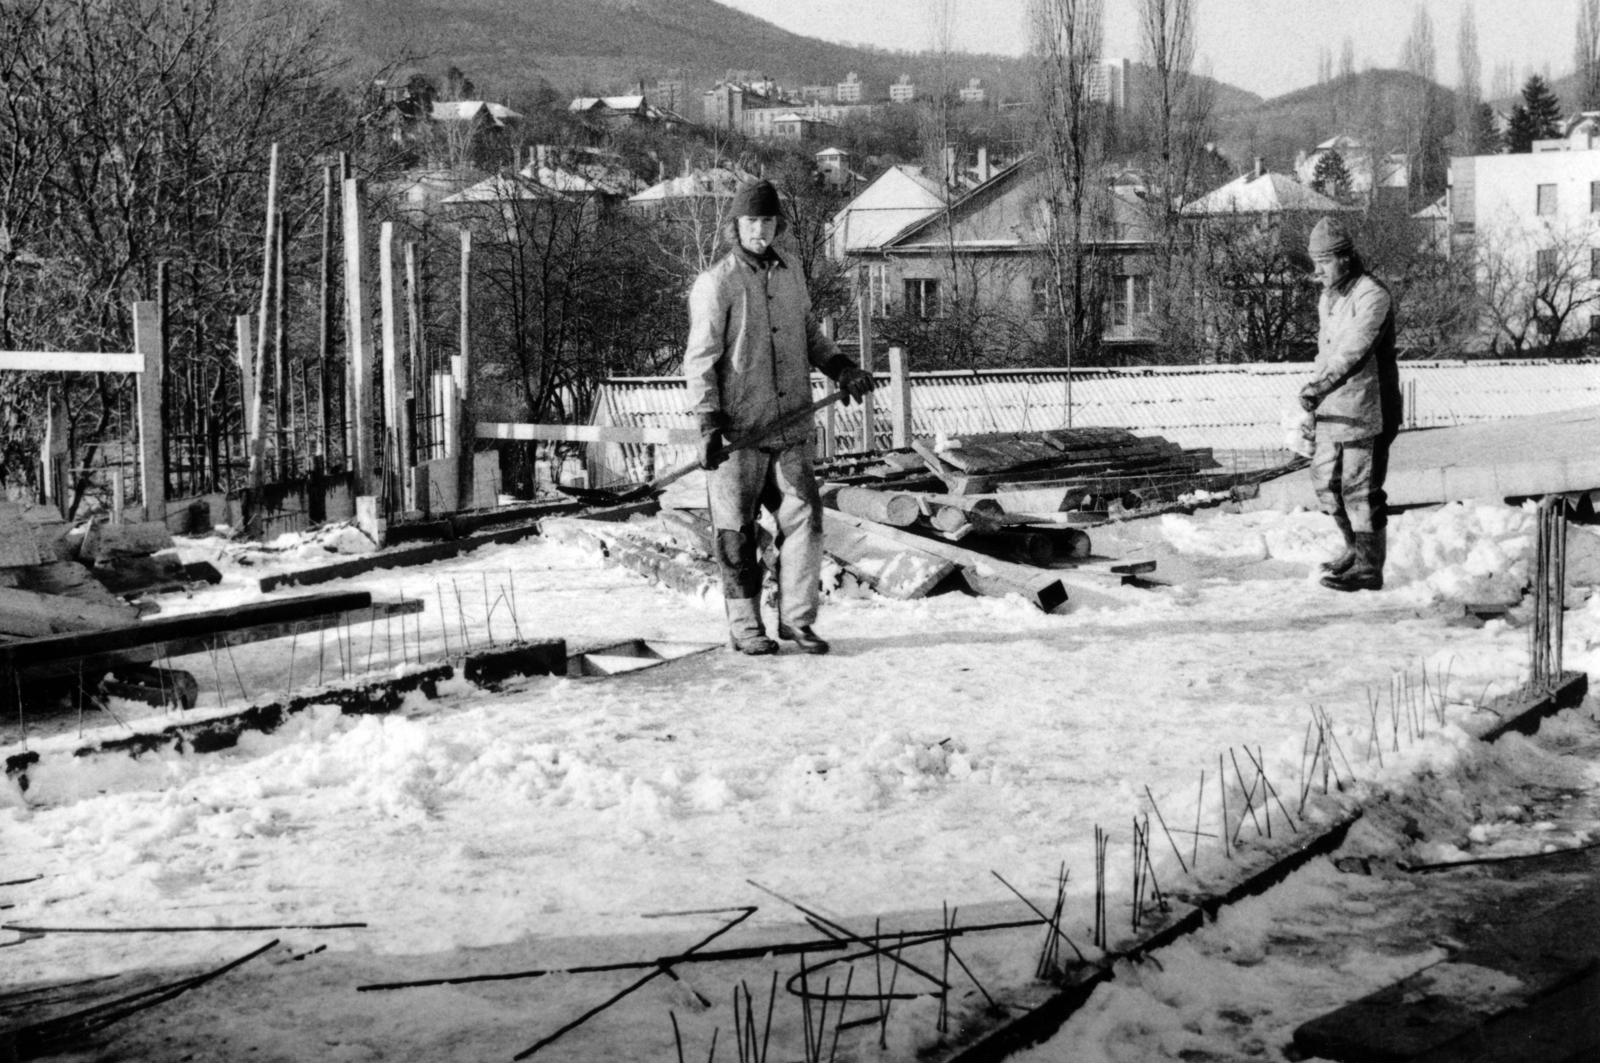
x=992, y=245
x=635, y=109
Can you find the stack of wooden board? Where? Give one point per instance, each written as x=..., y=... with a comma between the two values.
x=1066, y=469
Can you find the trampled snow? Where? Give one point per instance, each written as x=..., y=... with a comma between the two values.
x=943, y=740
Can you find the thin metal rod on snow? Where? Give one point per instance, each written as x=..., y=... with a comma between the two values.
x=1162, y=820
x=908, y=965
x=177, y=929
x=659, y=970
x=1054, y=924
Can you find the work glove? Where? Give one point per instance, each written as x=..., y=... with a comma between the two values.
x=713, y=439
x=1309, y=399
x=853, y=380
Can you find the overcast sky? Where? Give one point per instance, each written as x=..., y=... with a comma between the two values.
x=1266, y=46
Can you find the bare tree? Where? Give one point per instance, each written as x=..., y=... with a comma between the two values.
x=1587, y=55
x=1532, y=284
x=1421, y=122
x=1066, y=39
x=1469, y=83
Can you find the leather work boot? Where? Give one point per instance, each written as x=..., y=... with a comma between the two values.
x=1338, y=566
x=1366, y=572
x=745, y=631
x=805, y=640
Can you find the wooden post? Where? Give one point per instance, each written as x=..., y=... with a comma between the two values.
x=258, y=412
x=462, y=365
x=394, y=412
x=53, y=456
x=116, y=495
x=830, y=426
x=359, y=334
x=869, y=438
x=416, y=378
x=900, y=397
x=284, y=404
x=325, y=322
x=163, y=306
x=152, y=466
x=445, y=392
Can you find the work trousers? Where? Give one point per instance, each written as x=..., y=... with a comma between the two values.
x=784, y=482
x=1348, y=477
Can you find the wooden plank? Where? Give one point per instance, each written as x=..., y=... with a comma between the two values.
x=394, y=457
x=181, y=647
x=587, y=433
x=406, y=558
x=104, y=541
x=27, y=614
x=78, y=645
x=984, y=575
x=72, y=361
x=893, y=569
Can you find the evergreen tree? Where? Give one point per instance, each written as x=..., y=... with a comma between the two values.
x=1485, y=132
x=1519, y=131
x=1331, y=177
x=1544, y=110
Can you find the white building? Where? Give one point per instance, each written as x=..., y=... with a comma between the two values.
x=849, y=90
x=1111, y=82
x=903, y=91
x=974, y=92
x=1532, y=223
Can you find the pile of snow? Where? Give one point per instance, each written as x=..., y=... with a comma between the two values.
x=1462, y=551
x=1465, y=551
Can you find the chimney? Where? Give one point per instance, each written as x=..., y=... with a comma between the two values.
x=983, y=165
x=1258, y=171
x=950, y=166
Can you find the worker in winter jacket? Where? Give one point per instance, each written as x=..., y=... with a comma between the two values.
x=1354, y=393
x=752, y=346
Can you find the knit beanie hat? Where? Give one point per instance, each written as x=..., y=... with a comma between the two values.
x=1330, y=237
x=758, y=200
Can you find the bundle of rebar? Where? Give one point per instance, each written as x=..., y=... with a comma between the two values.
x=1549, y=592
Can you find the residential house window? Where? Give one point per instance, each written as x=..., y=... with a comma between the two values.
x=1594, y=263
x=1039, y=296
x=878, y=289
x=922, y=297
x=1594, y=197
x=1131, y=302
x=1545, y=263
x=1547, y=199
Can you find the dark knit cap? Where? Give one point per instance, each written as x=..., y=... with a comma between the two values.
x=758, y=200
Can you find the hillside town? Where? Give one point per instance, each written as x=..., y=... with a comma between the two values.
x=599, y=531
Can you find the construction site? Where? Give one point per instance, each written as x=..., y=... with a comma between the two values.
x=347, y=737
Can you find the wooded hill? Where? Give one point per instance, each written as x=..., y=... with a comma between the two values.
x=584, y=47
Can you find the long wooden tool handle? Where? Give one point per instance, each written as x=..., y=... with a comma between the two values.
x=751, y=438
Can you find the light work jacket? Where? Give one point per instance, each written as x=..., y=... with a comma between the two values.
x=1356, y=377
x=752, y=345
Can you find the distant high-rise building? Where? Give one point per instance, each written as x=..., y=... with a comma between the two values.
x=904, y=90
x=974, y=92
x=1111, y=82
x=849, y=90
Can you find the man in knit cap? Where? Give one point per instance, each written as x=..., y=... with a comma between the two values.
x=1354, y=393
x=752, y=346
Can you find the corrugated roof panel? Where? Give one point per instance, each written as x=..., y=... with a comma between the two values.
x=1235, y=408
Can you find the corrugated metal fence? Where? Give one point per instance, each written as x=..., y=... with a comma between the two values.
x=1233, y=408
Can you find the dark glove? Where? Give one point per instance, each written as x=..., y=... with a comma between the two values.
x=853, y=380
x=713, y=440
x=1309, y=399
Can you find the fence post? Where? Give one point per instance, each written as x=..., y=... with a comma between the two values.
x=152, y=466
x=869, y=439
x=358, y=301
x=465, y=428
x=900, y=397
x=830, y=426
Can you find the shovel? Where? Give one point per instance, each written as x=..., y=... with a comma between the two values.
x=625, y=493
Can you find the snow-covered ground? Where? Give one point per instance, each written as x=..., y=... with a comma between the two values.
x=943, y=740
